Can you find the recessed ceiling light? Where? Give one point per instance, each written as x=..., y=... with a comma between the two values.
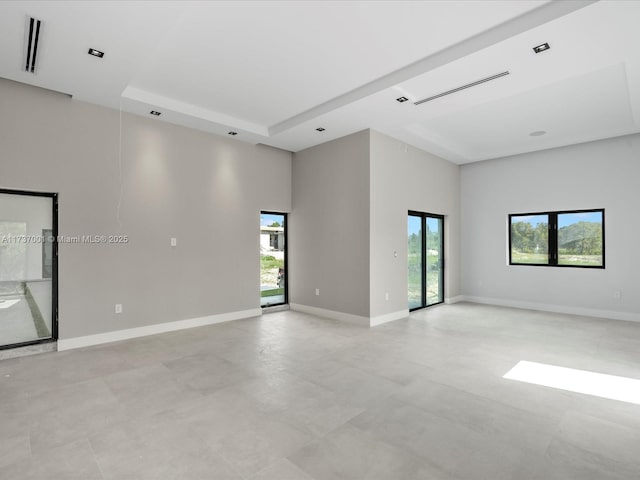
x=156, y=113
x=320, y=129
x=537, y=133
x=541, y=48
x=233, y=133
x=95, y=53
x=402, y=99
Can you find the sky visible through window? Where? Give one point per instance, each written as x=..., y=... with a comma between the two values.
x=566, y=219
x=415, y=223
x=532, y=219
x=267, y=219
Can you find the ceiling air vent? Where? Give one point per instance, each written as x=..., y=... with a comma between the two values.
x=463, y=87
x=32, y=36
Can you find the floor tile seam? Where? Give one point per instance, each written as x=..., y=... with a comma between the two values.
x=634, y=465
x=118, y=396
x=483, y=397
x=318, y=437
x=228, y=461
x=602, y=348
x=29, y=456
x=560, y=437
x=393, y=444
x=495, y=438
x=267, y=416
x=369, y=438
x=576, y=407
x=507, y=404
x=232, y=364
x=633, y=431
x=99, y=380
x=95, y=457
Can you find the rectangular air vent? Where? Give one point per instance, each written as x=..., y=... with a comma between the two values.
x=33, y=29
x=463, y=87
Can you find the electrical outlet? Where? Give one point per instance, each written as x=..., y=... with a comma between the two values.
x=174, y=242
x=118, y=308
x=386, y=296
x=317, y=291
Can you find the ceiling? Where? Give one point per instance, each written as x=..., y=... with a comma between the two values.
x=274, y=71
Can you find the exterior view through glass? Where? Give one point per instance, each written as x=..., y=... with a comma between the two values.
x=530, y=239
x=27, y=268
x=580, y=239
x=273, y=257
x=565, y=239
x=435, y=272
x=414, y=262
x=425, y=250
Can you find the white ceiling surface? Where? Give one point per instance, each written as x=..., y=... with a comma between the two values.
x=275, y=71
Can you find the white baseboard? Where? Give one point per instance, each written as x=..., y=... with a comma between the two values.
x=349, y=318
x=117, y=335
x=388, y=317
x=323, y=312
x=452, y=300
x=586, y=312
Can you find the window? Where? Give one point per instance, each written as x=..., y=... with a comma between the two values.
x=558, y=239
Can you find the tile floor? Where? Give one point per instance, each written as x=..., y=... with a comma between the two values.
x=290, y=396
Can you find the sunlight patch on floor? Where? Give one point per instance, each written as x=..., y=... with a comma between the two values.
x=579, y=381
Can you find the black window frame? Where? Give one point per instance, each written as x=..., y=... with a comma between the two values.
x=54, y=270
x=286, y=258
x=423, y=219
x=553, y=238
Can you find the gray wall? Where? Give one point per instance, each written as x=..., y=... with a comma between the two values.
x=350, y=202
x=204, y=190
x=602, y=174
x=329, y=226
x=404, y=178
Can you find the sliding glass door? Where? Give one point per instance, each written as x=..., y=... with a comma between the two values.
x=425, y=261
x=414, y=262
x=28, y=268
x=273, y=259
x=435, y=259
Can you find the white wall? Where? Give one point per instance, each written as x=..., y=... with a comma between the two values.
x=602, y=174
x=404, y=178
x=169, y=181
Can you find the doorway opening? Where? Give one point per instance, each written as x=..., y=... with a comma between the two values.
x=425, y=261
x=28, y=268
x=273, y=259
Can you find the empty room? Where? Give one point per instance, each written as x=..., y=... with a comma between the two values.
x=319, y=240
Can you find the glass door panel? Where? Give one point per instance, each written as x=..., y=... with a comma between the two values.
x=27, y=268
x=414, y=262
x=434, y=260
x=273, y=259
x=425, y=260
